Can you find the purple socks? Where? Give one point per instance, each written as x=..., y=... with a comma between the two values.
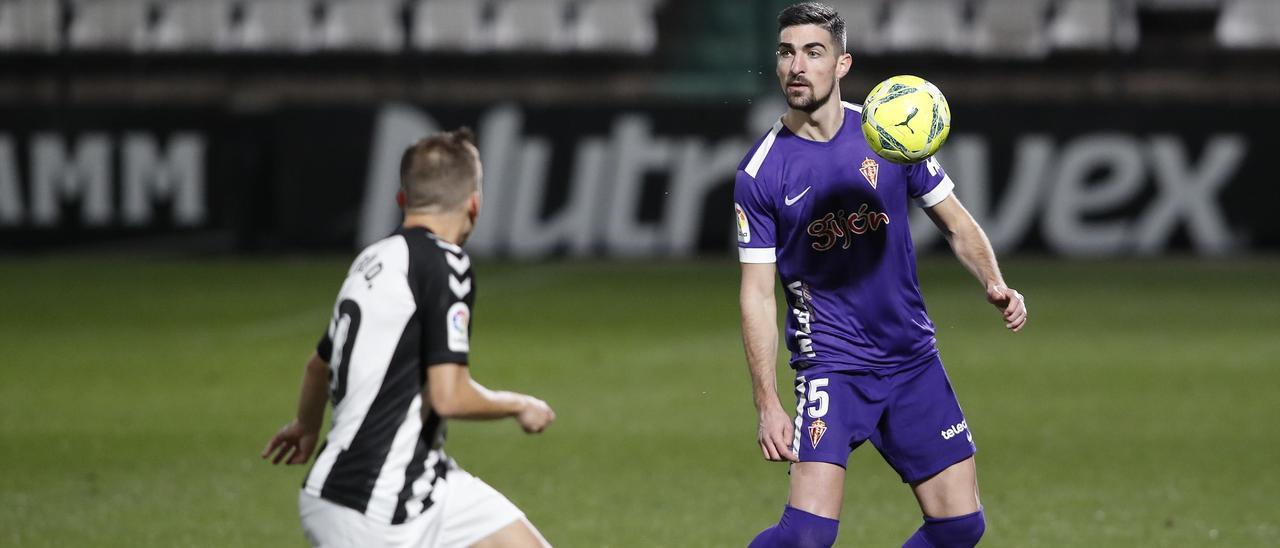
x=798, y=529
x=955, y=532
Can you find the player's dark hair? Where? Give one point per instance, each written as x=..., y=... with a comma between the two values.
x=814, y=13
x=440, y=171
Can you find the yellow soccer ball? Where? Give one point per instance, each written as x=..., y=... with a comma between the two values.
x=906, y=119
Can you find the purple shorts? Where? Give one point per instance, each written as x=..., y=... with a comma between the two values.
x=910, y=415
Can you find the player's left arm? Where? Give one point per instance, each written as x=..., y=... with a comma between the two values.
x=971, y=246
x=452, y=393
x=295, y=442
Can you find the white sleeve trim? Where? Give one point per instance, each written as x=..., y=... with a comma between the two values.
x=757, y=255
x=938, y=194
x=753, y=167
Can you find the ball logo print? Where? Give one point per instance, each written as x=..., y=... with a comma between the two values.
x=744, y=229
x=906, y=119
x=914, y=111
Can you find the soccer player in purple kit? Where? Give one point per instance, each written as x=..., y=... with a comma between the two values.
x=822, y=212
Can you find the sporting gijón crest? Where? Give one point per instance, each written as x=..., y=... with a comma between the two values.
x=816, y=429
x=871, y=170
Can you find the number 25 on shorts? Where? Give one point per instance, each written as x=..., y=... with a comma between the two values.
x=817, y=398
x=815, y=402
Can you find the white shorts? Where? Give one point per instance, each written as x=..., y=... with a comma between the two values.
x=465, y=511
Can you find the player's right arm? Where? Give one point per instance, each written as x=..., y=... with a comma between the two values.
x=295, y=441
x=454, y=394
x=760, y=340
x=755, y=210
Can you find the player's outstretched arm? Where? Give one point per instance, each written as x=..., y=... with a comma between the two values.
x=295, y=441
x=760, y=339
x=454, y=394
x=971, y=246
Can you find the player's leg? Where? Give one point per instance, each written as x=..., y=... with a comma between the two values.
x=327, y=524
x=517, y=534
x=476, y=514
x=831, y=419
x=926, y=438
x=817, y=488
x=812, y=515
x=952, y=492
x=952, y=510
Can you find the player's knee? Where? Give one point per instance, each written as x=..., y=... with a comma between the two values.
x=799, y=529
x=816, y=535
x=971, y=529
x=957, y=532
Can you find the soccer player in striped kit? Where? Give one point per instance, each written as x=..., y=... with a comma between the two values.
x=394, y=363
x=822, y=212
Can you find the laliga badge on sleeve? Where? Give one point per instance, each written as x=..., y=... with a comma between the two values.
x=744, y=230
x=459, y=320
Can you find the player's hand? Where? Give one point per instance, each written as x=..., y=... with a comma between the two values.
x=1011, y=304
x=293, y=444
x=775, y=435
x=535, y=415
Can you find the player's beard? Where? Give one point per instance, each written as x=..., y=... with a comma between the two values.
x=808, y=103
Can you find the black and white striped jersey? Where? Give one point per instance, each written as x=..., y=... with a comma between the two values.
x=405, y=306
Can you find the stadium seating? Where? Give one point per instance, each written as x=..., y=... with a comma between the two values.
x=33, y=25
x=864, y=24
x=192, y=25
x=927, y=25
x=1175, y=5
x=450, y=25
x=531, y=26
x=109, y=25
x=278, y=25
x=363, y=25
x=1098, y=25
x=1011, y=28
x=1026, y=29
x=617, y=25
x=1247, y=24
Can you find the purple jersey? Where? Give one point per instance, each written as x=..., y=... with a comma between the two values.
x=833, y=216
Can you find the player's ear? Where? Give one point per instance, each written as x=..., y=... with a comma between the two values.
x=473, y=205
x=400, y=199
x=843, y=64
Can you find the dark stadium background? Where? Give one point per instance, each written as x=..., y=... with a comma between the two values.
x=182, y=184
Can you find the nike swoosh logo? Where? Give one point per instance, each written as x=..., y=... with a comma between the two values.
x=791, y=201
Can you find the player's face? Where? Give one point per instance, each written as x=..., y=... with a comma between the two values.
x=809, y=68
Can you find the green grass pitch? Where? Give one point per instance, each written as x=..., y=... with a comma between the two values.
x=1139, y=407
